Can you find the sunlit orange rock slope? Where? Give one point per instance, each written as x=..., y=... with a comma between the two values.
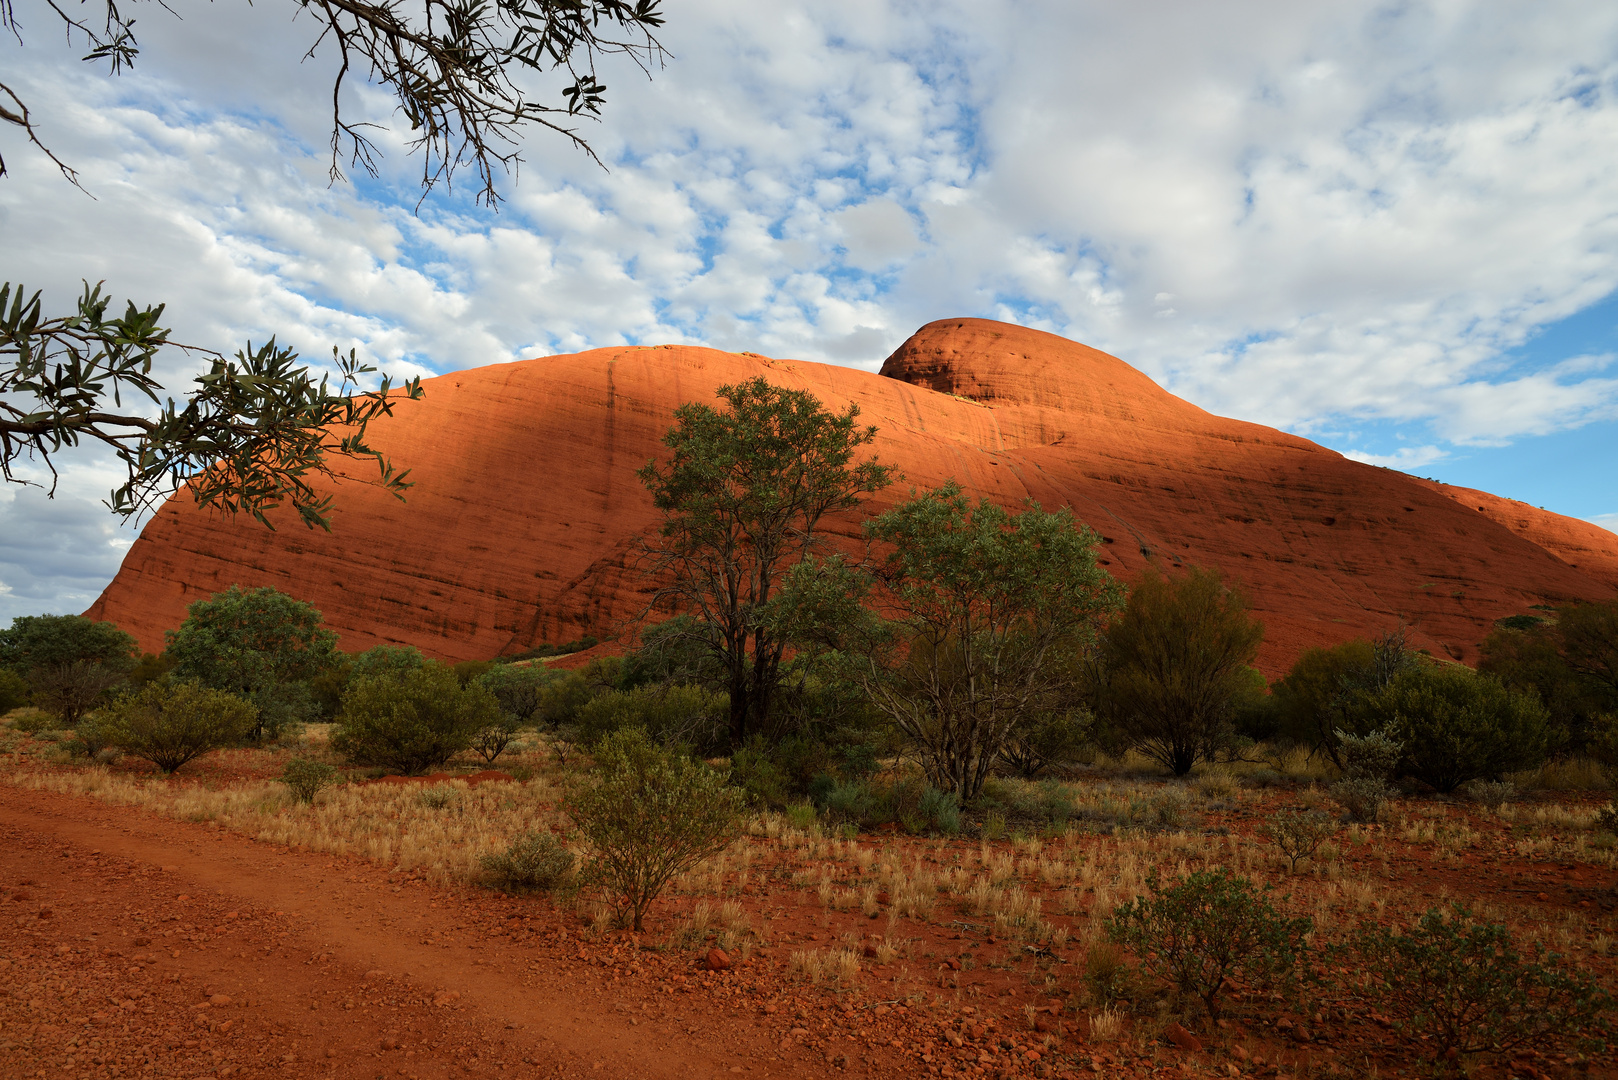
x=523, y=523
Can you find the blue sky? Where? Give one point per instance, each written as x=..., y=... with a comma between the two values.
x=1392, y=229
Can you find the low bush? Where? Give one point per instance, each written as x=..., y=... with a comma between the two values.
x=1361, y=797
x=32, y=721
x=1492, y=794
x=1199, y=932
x=909, y=803
x=1454, y=986
x=414, y=723
x=754, y=770
x=13, y=690
x=1298, y=835
x=305, y=779
x=170, y=723
x=676, y=716
x=1046, y=803
x=1369, y=761
x=1456, y=725
x=648, y=814
x=535, y=860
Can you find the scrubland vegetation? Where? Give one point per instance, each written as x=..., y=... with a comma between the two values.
x=971, y=751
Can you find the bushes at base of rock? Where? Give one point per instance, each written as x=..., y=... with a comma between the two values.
x=1458, y=987
x=412, y=723
x=171, y=723
x=1456, y=725
x=1211, y=925
x=675, y=716
x=535, y=860
x=648, y=814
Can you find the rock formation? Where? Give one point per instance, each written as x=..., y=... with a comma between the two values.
x=524, y=522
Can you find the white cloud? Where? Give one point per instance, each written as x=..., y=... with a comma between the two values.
x=1606, y=521
x=1311, y=216
x=1405, y=459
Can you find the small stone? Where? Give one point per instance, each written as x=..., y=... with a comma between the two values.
x=220, y=1001
x=882, y=1010
x=717, y=960
x=798, y=1032
x=953, y=964
x=869, y=951
x=1239, y=1052
x=1182, y=1039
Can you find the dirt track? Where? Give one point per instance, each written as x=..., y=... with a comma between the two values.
x=117, y=926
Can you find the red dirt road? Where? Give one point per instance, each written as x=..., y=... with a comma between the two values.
x=116, y=927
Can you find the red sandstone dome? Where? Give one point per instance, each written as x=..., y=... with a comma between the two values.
x=523, y=524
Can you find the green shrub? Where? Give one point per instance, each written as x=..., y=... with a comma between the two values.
x=755, y=772
x=1457, y=725
x=1368, y=762
x=519, y=688
x=13, y=690
x=941, y=810
x=1456, y=987
x=535, y=860
x=561, y=699
x=393, y=661
x=305, y=778
x=1043, y=803
x=34, y=721
x=647, y=815
x=95, y=734
x=1298, y=835
x=414, y=724
x=1491, y=794
x=1201, y=931
x=170, y=723
x=1361, y=797
x=909, y=802
x=676, y=716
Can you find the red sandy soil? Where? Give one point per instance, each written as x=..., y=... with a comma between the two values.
x=526, y=515
x=134, y=946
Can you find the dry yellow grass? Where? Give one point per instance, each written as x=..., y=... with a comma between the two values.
x=826, y=967
x=392, y=824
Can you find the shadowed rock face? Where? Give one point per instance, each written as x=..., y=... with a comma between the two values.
x=523, y=524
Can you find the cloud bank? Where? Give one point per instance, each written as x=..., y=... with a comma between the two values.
x=1320, y=217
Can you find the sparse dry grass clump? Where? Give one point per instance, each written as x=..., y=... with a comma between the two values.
x=826, y=967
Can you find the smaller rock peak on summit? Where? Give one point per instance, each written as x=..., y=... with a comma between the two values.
x=1000, y=363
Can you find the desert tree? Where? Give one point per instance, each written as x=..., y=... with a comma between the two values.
x=973, y=627
x=255, y=430
x=260, y=644
x=1176, y=665
x=69, y=661
x=743, y=496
